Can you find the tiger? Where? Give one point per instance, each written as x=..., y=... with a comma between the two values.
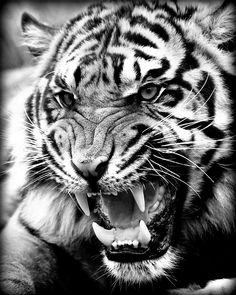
x=122, y=153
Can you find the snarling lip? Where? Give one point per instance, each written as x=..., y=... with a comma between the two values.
x=135, y=223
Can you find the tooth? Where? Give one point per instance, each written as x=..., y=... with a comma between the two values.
x=119, y=243
x=144, y=234
x=139, y=197
x=114, y=244
x=89, y=195
x=82, y=200
x=105, y=236
x=135, y=243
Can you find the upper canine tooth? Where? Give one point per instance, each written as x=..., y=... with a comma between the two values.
x=82, y=200
x=139, y=197
x=144, y=234
x=105, y=236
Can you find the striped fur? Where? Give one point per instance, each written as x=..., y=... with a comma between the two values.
x=183, y=138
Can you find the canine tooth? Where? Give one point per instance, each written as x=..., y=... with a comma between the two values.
x=114, y=244
x=144, y=234
x=139, y=197
x=135, y=243
x=105, y=236
x=82, y=200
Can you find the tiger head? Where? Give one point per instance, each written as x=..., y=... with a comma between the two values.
x=130, y=119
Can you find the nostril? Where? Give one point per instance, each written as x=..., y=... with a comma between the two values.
x=101, y=168
x=93, y=168
x=98, y=166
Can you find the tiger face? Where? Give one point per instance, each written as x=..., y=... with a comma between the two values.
x=130, y=118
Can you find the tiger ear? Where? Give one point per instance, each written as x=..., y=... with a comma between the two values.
x=220, y=24
x=37, y=36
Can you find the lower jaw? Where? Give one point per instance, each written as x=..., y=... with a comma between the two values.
x=129, y=256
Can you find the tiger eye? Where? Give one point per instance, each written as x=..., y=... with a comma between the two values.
x=150, y=92
x=65, y=99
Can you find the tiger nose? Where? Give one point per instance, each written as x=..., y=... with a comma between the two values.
x=92, y=169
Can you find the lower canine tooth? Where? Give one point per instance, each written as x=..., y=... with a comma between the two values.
x=114, y=245
x=144, y=234
x=105, y=236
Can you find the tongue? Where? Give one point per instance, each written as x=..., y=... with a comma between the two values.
x=123, y=210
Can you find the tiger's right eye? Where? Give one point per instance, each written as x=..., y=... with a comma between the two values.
x=150, y=92
x=65, y=99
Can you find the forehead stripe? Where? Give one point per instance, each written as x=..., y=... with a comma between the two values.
x=139, y=39
x=155, y=73
x=153, y=27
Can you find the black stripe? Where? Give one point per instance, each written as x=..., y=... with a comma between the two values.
x=169, y=10
x=53, y=143
x=105, y=78
x=137, y=71
x=118, y=63
x=228, y=46
x=189, y=62
x=208, y=91
x=176, y=96
x=139, y=39
x=155, y=73
x=153, y=27
x=206, y=127
x=208, y=156
x=69, y=30
x=187, y=13
x=141, y=54
x=213, y=132
x=77, y=76
x=93, y=36
x=180, y=82
x=134, y=157
x=47, y=154
x=88, y=59
x=92, y=23
x=141, y=130
x=115, y=36
x=106, y=40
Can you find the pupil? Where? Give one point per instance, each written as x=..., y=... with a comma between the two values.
x=67, y=99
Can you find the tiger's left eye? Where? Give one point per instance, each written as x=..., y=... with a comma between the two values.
x=65, y=99
x=150, y=92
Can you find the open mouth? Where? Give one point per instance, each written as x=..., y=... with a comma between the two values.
x=136, y=224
